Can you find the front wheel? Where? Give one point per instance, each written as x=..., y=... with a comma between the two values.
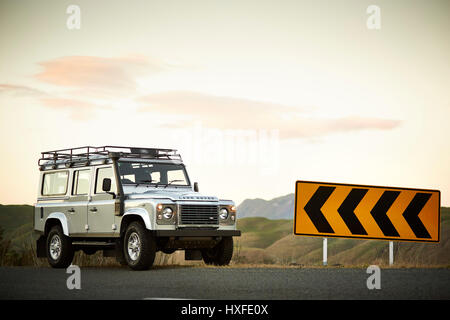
x=59, y=248
x=139, y=247
x=221, y=254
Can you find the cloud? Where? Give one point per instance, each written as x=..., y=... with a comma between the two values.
x=78, y=109
x=236, y=113
x=19, y=90
x=98, y=80
x=99, y=76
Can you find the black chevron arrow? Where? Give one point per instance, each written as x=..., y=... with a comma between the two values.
x=379, y=213
x=313, y=206
x=411, y=214
x=346, y=210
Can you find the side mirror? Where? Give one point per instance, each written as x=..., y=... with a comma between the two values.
x=196, y=186
x=106, y=185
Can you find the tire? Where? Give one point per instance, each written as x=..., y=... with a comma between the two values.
x=168, y=251
x=221, y=254
x=206, y=254
x=139, y=247
x=58, y=248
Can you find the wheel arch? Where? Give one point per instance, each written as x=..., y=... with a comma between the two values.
x=56, y=218
x=135, y=214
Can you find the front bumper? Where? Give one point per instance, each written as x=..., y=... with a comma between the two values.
x=196, y=233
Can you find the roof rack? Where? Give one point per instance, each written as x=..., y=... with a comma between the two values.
x=86, y=154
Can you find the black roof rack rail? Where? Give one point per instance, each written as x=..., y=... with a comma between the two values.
x=86, y=154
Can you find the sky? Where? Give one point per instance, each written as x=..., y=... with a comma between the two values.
x=254, y=94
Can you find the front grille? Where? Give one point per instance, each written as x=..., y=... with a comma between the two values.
x=193, y=214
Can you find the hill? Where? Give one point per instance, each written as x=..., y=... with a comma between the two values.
x=14, y=216
x=16, y=222
x=277, y=208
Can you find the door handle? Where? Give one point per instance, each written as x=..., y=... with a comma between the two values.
x=71, y=210
x=93, y=209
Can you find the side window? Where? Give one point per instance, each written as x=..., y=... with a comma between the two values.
x=55, y=183
x=81, y=182
x=103, y=173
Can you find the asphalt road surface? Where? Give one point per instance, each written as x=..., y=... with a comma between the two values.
x=224, y=283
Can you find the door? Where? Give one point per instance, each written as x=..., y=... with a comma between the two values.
x=77, y=205
x=101, y=207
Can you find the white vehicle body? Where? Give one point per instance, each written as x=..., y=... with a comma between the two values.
x=94, y=195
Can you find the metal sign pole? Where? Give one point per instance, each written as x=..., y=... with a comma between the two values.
x=391, y=253
x=325, y=247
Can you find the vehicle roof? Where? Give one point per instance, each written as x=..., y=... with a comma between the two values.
x=89, y=156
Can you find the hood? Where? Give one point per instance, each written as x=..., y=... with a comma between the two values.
x=173, y=194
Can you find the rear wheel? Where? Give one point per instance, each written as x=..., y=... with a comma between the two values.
x=59, y=248
x=139, y=247
x=221, y=254
x=168, y=251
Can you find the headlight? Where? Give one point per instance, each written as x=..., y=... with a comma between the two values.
x=223, y=213
x=167, y=213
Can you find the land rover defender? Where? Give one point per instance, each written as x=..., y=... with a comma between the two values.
x=130, y=203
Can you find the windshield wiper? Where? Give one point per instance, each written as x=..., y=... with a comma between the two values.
x=143, y=181
x=157, y=184
x=170, y=182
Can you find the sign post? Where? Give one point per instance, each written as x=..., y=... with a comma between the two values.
x=325, y=253
x=391, y=253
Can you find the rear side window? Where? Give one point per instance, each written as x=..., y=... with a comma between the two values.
x=103, y=173
x=55, y=183
x=81, y=182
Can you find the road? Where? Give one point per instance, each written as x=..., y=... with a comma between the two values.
x=224, y=283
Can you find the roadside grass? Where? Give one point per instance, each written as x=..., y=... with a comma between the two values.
x=261, y=232
x=366, y=253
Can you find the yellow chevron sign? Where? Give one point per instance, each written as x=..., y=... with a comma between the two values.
x=367, y=212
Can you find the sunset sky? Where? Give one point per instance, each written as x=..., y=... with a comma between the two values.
x=254, y=94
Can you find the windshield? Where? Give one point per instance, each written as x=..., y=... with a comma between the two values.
x=153, y=173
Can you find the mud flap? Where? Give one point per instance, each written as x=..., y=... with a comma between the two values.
x=40, y=247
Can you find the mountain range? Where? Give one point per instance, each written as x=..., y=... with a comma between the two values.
x=277, y=208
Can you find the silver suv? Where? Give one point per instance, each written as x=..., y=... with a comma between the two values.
x=130, y=203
